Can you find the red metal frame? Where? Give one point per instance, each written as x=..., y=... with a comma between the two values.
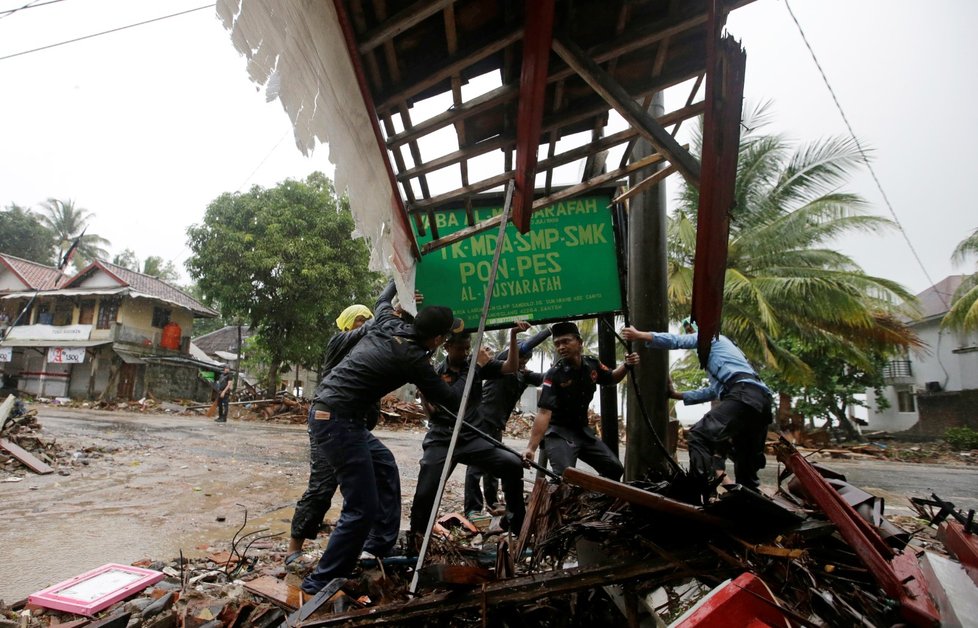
x=898, y=573
x=537, y=39
x=725, y=69
x=368, y=101
x=962, y=544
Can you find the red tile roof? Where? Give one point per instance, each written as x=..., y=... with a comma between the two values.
x=145, y=284
x=35, y=276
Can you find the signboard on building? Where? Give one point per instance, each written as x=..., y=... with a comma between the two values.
x=66, y=355
x=50, y=332
x=6, y=354
x=565, y=267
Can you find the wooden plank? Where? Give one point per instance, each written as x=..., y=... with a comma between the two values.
x=532, y=509
x=646, y=183
x=616, y=96
x=533, y=85
x=645, y=499
x=400, y=22
x=277, y=591
x=501, y=593
x=26, y=457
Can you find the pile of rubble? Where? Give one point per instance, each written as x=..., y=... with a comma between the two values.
x=816, y=552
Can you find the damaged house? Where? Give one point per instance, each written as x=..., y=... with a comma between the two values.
x=107, y=332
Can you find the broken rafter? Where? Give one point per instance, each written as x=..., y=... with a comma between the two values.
x=616, y=96
x=502, y=593
x=642, y=498
x=533, y=84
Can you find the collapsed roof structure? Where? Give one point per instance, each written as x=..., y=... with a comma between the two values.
x=353, y=74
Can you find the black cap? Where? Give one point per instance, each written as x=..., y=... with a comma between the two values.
x=437, y=320
x=565, y=328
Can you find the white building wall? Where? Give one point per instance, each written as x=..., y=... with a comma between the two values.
x=949, y=358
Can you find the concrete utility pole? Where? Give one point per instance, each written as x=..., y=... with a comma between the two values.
x=649, y=311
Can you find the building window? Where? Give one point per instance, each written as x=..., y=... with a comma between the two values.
x=160, y=317
x=905, y=400
x=44, y=314
x=86, y=313
x=107, y=312
x=63, y=313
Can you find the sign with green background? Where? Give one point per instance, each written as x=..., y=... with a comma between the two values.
x=565, y=267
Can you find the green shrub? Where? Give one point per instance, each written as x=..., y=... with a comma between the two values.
x=961, y=438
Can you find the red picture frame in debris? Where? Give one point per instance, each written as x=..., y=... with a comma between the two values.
x=92, y=591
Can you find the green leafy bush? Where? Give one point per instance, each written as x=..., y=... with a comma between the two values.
x=961, y=438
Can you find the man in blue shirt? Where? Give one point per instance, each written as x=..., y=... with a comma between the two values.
x=740, y=419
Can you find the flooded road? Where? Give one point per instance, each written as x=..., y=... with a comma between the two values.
x=155, y=485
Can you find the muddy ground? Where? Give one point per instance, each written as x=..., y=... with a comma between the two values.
x=153, y=485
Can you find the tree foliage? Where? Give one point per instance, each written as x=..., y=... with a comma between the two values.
x=284, y=260
x=963, y=315
x=127, y=259
x=23, y=235
x=156, y=266
x=784, y=282
x=69, y=222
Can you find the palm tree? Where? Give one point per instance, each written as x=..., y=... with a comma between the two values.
x=782, y=280
x=963, y=314
x=69, y=222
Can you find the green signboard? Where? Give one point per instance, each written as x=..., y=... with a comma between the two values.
x=565, y=267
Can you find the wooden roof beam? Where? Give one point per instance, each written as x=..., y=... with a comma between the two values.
x=452, y=65
x=507, y=142
x=616, y=96
x=541, y=203
x=627, y=42
x=537, y=41
x=403, y=20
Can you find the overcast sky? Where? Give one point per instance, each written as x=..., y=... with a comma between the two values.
x=146, y=126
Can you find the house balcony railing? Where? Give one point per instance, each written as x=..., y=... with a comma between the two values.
x=898, y=372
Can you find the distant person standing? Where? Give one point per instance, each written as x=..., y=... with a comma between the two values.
x=223, y=395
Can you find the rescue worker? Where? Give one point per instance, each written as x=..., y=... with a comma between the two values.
x=737, y=426
x=499, y=398
x=470, y=449
x=311, y=509
x=391, y=353
x=561, y=423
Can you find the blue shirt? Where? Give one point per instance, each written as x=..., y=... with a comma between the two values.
x=725, y=361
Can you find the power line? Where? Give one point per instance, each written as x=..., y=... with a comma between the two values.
x=862, y=153
x=113, y=30
x=33, y=4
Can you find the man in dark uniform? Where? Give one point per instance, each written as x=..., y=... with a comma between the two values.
x=499, y=397
x=738, y=424
x=470, y=449
x=223, y=387
x=389, y=355
x=311, y=509
x=568, y=388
